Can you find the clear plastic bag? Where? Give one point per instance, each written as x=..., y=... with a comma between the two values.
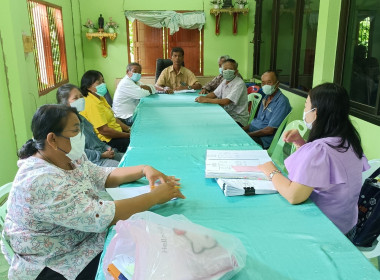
x=173, y=248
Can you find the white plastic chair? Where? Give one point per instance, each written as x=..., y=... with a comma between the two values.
x=374, y=251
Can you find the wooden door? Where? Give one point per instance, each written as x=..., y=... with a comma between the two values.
x=190, y=40
x=148, y=46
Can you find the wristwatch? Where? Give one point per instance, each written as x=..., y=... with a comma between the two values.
x=274, y=172
x=189, y=87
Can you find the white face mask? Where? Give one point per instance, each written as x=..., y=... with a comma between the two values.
x=78, y=104
x=308, y=125
x=268, y=89
x=77, y=146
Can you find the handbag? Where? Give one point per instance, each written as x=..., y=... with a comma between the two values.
x=367, y=228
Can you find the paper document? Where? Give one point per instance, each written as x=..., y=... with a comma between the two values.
x=233, y=187
x=123, y=193
x=235, y=163
x=184, y=90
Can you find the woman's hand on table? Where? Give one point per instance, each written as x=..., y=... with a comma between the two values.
x=267, y=168
x=153, y=175
x=203, y=91
x=167, y=191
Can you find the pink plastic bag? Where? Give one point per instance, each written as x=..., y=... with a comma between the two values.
x=174, y=248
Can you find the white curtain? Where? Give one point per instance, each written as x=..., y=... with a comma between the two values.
x=169, y=19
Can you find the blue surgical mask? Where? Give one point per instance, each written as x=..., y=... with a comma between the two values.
x=220, y=70
x=136, y=77
x=101, y=89
x=268, y=89
x=229, y=74
x=78, y=104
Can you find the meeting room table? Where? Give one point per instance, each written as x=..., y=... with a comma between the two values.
x=172, y=132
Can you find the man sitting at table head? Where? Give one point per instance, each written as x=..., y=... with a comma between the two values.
x=231, y=94
x=177, y=77
x=273, y=110
x=128, y=93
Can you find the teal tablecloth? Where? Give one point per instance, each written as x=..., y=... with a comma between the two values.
x=283, y=241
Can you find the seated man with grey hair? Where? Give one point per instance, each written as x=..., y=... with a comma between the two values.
x=214, y=83
x=128, y=93
x=97, y=151
x=231, y=94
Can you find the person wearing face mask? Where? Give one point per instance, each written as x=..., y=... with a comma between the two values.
x=57, y=221
x=96, y=150
x=273, y=109
x=328, y=166
x=231, y=94
x=176, y=76
x=99, y=113
x=128, y=93
x=214, y=83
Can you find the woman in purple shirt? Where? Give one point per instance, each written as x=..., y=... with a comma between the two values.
x=328, y=166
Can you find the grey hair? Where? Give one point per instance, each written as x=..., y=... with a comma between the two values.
x=63, y=93
x=225, y=57
x=233, y=61
x=129, y=66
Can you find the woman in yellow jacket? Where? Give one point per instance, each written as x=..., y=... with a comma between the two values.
x=99, y=113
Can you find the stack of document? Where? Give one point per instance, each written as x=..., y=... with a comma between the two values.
x=235, y=164
x=236, y=171
x=232, y=187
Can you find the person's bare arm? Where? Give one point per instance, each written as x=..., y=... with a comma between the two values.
x=263, y=132
x=293, y=192
x=106, y=131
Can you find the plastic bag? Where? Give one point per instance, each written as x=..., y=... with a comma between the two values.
x=174, y=248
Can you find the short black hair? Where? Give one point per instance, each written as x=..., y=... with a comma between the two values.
x=88, y=78
x=48, y=118
x=177, y=49
x=233, y=61
x=272, y=71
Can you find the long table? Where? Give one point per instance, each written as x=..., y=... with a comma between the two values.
x=283, y=241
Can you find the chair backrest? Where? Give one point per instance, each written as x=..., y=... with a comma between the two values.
x=255, y=99
x=278, y=133
x=4, y=192
x=282, y=150
x=161, y=64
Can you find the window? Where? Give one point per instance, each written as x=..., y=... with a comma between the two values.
x=49, y=45
x=358, y=55
x=147, y=44
x=285, y=39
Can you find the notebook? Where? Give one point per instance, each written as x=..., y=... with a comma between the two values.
x=233, y=187
x=235, y=164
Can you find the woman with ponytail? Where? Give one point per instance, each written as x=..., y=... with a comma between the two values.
x=56, y=222
x=328, y=166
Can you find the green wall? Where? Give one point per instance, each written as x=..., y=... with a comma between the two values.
x=19, y=93
x=113, y=66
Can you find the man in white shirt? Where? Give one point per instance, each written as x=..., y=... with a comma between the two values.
x=128, y=93
x=231, y=94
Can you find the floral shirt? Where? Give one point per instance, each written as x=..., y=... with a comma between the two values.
x=55, y=217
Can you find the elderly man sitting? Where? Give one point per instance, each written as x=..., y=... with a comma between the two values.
x=128, y=93
x=231, y=94
x=273, y=109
